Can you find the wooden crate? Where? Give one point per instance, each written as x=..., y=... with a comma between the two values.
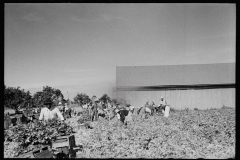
x=28, y=112
x=17, y=117
x=44, y=152
x=64, y=144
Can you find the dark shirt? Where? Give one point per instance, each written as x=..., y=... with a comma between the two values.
x=123, y=114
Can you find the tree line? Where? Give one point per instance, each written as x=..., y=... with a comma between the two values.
x=16, y=98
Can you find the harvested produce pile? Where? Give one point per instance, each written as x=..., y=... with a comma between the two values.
x=24, y=138
x=184, y=134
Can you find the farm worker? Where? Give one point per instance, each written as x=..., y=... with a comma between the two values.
x=147, y=108
x=152, y=106
x=99, y=105
x=49, y=111
x=131, y=108
x=163, y=102
x=60, y=106
x=118, y=106
x=141, y=111
x=100, y=113
x=118, y=115
x=124, y=115
x=164, y=107
x=109, y=105
x=94, y=110
x=66, y=106
x=70, y=112
x=85, y=105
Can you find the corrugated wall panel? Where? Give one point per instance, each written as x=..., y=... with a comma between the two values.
x=185, y=98
x=182, y=102
x=167, y=93
x=173, y=97
x=219, y=97
x=215, y=98
x=223, y=97
x=176, y=105
x=156, y=97
x=181, y=99
x=209, y=101
x=231, y=97
x=203, y=99
x=188, y=99
x=234, y=98
x=192, y=99
x=228, y=98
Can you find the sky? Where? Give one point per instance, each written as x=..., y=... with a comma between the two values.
x=76, y=47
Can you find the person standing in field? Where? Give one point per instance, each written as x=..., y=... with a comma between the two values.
x=124, y=115
x=109, y=105
x=164, y=107
x=94, y=110
x=84, y=105
x=50, y=111
x=60, y=106
x=100, y=109
x=148, y=108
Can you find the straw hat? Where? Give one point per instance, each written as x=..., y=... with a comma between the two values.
x=47, y=101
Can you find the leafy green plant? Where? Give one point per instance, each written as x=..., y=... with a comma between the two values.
x=32, y=135
x=184, y=134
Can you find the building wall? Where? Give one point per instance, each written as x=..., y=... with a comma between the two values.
x=181, y=99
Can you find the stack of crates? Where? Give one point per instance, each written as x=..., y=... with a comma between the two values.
x=44, y=152
x=28, y=112
x=65, y=145
x=17, y=117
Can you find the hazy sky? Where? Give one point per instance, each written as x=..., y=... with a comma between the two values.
x=76, y=47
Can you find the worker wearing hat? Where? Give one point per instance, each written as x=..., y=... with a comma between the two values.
x=60, y=106
x=94, y=110
x=49, y=112
x=164, y=107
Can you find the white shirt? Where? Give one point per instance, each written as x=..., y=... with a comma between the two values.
x=163, y=102
x=129, y=117
x=85, y=106
x=48, y=114
x=131, y=108
x=100, y=111
x=148, y=110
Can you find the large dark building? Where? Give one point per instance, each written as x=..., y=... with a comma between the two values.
x=183, y=86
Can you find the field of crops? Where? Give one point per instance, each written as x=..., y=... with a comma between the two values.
x=184, y=134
